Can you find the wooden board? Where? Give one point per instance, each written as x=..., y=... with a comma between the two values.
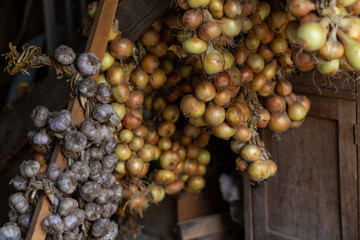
x=201, y=227
x=136, y=16
x=315, y=195
x=97, y=44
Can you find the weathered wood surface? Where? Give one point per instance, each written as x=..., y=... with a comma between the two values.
x=97, y=44
x=134, y=17
x=315, y=195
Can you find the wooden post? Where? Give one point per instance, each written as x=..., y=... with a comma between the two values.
x=97, y=43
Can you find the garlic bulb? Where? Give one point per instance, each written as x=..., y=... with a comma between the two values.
x=103, y=93
x=99, y=226
x=39, y=139
x=30, y=168
x=75, y=141
x=104, y=196
x=53, y=224
x=93, y=211
x=109, y=162
x=66, y=206
x=53, y=171
x=40, y=116
x=19, y=203
x=64, y=55
x=90, y=191
x=118, y=193
x=10, y=231
x=95, y=153
x=13, y=216
x=60, y=121
x=87, y=87
x=24, y=222
x=88, y=64
x=81, y=171
x=108, y=209
x=102, y=113
x=67, y=183
x=108, y=146
x=91, y=130
x=20, y=183
x=71, y=221
x=110, y=232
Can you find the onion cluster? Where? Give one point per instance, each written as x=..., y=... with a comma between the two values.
x=208, y=68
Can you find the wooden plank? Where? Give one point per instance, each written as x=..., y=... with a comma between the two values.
x=347, y=168
x=136, y=16
x=204, y=226
x=97, y=44
x=248, y=211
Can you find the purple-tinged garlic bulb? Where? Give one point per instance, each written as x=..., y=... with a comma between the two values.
x=95, y=153
x=19, y=203
x=67, y=206
x=40, y=116
x=104, y=196
x=102, y=113
x=111, y=232
x=67, y=182
x=109, y=162
x=91, y=130
x=10, y=231
x=53, y=224
x=64, y=55
x=81, y=171
x=118, y=191
x=95, y=170
x=90, y=191
x=71, y=221
x=106, y=179
x=108, y=209
x=87, y=87
x=24, y=222
x=88, y=64
x=103, y=93
x=75, y=141
x=39, y=138
x=106, y=133
x=60, y=121
x=20, y=183
x=99, y=226
x=80, y=214
x=72, y=235
x=114, y=120
x=30, y=168
x=108, y=146
x=13, y=216
x=53, y=171
x=92, y=211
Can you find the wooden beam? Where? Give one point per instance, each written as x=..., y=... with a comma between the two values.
x=97, y=44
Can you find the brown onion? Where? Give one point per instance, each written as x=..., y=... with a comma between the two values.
x=300, y=8
x=275, y=103
x=303, y=60
x=196, y=183
x=121, y=48
x=135, y=100
x=205, y=91
x=192, y=18
x=222, y=97
x=279, y=122
x=264, y=118
x=132, y=119
x=242, y=134
x=283, y=88
x=223, y=131
x=250, y=152
x=277, y=21
x=258, y=81
x=214, y=115
x=149, y=63
x=150, y=38
x=240, y=54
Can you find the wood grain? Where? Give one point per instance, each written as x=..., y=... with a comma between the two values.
x=136, y=16
x=97, y=44
x=314, y=195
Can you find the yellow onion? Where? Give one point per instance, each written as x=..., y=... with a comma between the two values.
x=328, y=67
x=194, y=45
x=352, y=50
x=223, y=131
x=311, y=35
x=213, y=62
x=230, y=27
x=259, y=170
